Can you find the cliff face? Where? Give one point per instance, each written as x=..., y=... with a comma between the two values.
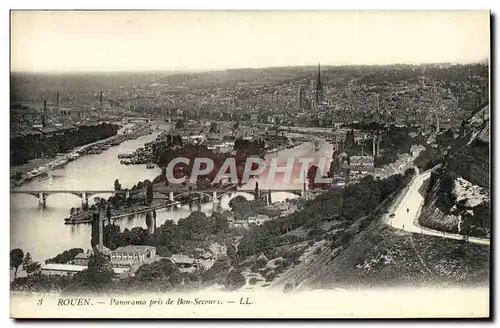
x=457, y=197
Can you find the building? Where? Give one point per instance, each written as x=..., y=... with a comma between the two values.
x=49, y=132
x=258, y=219
x=185, y=263
x=303, y=99
x=83, y=257
x=206, y=259
x=470, y=101
x=56, y=269
x=361, y=164
x=125, y=257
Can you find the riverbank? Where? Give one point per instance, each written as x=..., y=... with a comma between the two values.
x=85, y=217
x=42, y=166
x=98, y=172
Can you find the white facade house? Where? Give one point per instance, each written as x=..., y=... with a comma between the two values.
x=56, y=269
x=125, y=257
x=185, y=263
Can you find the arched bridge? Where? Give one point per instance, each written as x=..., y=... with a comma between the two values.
x=172, y=193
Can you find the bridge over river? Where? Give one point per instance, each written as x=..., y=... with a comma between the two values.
x=172, y=193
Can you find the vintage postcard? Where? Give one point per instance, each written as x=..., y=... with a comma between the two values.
x=250, y=164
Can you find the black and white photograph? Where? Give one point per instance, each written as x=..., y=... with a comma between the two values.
x=250, y=164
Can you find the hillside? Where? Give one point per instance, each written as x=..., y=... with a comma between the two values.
x=458, y=194
x=339, y=249
x=380, y=256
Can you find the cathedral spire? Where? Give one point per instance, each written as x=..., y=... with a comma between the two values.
x=319, y=87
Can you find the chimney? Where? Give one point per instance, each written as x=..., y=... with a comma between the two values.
x=57, y=99
x=100, y=99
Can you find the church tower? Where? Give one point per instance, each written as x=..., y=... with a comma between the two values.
x=319, y=87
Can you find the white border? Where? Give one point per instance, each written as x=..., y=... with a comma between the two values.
x=183, y=4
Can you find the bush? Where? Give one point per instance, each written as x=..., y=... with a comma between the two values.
x=260, y=263
x=292, y=256
x=288, y=288
x=218, y=271
x=318, y=250
x=270, y=276
x=315, y=232
x=254, y=268
x=364, y=223
x=253, y=281
x=235, y=280
x=163, y=251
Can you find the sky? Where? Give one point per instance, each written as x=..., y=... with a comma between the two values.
x=61, y=41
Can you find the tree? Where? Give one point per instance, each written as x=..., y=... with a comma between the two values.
x=16, y=259
x=179, y=124
x=231, y=251
x=31, y=268
x=213, y=127
x=235, y=280
x=118, y=186
x=240, y=207
x=96, y=277
x=221, y=223
x=66, y=256
x=163, y=273
x=108, y=213
x=149, y=220
x=27, y=261
x=311, y=175
x=149, y=193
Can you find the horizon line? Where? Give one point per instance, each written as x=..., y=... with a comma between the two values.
x=485, y=61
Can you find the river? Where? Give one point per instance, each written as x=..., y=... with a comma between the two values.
x=42, y=232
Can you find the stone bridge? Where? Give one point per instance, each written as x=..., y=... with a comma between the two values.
x=172, y=193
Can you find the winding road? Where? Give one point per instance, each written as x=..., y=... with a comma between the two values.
x=408, y=220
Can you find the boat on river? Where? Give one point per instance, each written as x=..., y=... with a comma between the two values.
x=73, y=156
x=82, y=217
x=150, y=166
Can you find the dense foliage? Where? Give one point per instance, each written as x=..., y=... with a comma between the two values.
x=173, y=238
x=164, y=152
x=96, y=278
x=352, y=202
x=66, y=256
x=30, y=147
x=16, y=259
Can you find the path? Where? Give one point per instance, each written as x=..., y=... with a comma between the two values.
x=414, y=201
